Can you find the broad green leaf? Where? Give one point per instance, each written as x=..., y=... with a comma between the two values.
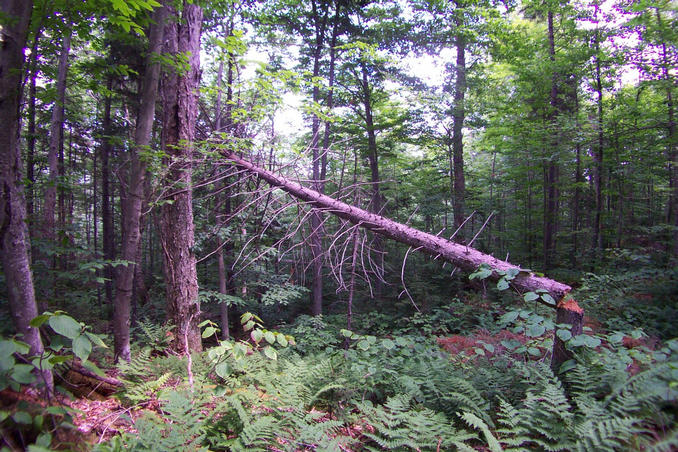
x=282, y=340
x=489, y=347
x=246, y=317
x=21, y=373
x=535, y=330
x=548, y=299
x=270, y=337
x=616, y=337
x=44, y=439
x=534, y=351
x=38, y=321
x=257, y=335
x=95, y=339
x=270, y=352
x=510, y=344
x=82, y=347
x=591, y=341
x=209, y=331
x=530, y=296
x=479, y=351
x=502, y=284
x=7, y=348
x=564, y=335
x=509, y=317
x=401, y=341
x=21, y=417
x=65, y=325
x=363, y=345
x=248, y=326
x=223, y=369
x=568, y=365
x=388, y=344
x=346, y=333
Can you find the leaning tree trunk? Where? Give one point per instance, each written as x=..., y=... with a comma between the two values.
x=13, y=232
x=180, y=109
x=462, y=256
x=134, y=200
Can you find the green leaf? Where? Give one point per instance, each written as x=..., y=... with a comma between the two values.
x=346, y=333
x=21, y=417
x=7, y=348
x=223, y=369
x=44, y=439
x=257, y=335
x=249, y=325
x=95, y=339
x=38, y=321
x=489, y=347
x=363, y=345
x=568, y=365
x=269, y=336
x=388, y=344
x=591, y=341
x=502, y=284
x=65, y=325
x=82, y=347
x=530, y=296
x=282, y=340
x=615, y=338
x=534, y=351
x=535, y=330
x=270, y=352
x=246, y=317
x=564, y=335
x=89, y=365
x=58, y=359
x=548, y=299
x=209, y=331
x=510, y=344
x=401, y=341
x=509, y=317
x=21, y=373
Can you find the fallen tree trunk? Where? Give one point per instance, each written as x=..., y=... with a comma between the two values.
x=462, y=256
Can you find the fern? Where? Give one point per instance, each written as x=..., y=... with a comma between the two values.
x=478, y=424
x=399, y=425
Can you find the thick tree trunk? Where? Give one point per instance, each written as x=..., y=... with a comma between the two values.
x=180, y=109
x=135, y=194
x=14, y=240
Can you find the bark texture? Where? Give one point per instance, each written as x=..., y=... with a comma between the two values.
x=13, y=231
x=180, y=109
x=135, y=196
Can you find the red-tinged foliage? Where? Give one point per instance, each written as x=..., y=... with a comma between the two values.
x=467, y=344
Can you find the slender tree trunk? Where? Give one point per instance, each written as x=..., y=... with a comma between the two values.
x=14, y=240
x=551, y=170
x=135, y=193
x=56, y=132
x=316, y=235
x=459, y=116
x=106, y=212
x=373, y=158
x=671, y=137
x=598, y=179
x=180, y=109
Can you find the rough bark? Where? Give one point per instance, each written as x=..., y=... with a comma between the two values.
x=180, y=108
x=570, y=313
x=135, y=194
x=14, y=240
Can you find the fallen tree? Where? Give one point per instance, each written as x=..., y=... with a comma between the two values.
x=462, y=256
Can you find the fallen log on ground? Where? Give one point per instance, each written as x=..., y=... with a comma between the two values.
x=462, y=256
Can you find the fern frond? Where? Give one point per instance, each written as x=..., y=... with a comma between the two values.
x=478, y=424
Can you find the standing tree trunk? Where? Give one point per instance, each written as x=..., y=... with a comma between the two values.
x=135, y=195
x=551, y=163
x=459, y=116
x=56, y=136
x=180, y=109
x=316, y=236
x=598, y=153
x=106, y=212
x=14, y=240
x=373, y=158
